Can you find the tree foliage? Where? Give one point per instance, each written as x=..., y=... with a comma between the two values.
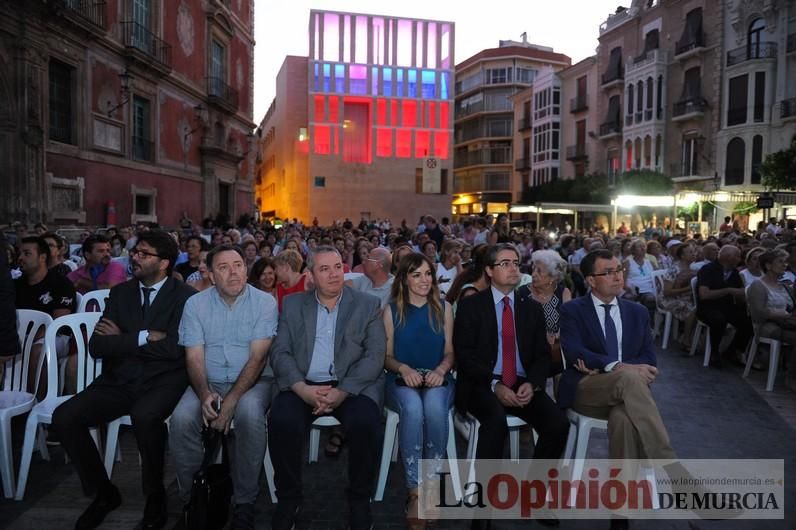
x=595, y=189
x=779, y=169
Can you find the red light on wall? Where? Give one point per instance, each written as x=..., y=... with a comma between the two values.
x=381, y=112
x=403, y=143
x=321, y=139
x=337, y=140
x=443, y=115
x=334, y=115
x=409, y=111
x=422, y=140
x=432, y=115
x=394, y=113
x=384, y=142
x=319, y=114
x=441, y=144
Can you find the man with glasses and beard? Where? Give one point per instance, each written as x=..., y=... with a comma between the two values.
x=99, y=272
x=143, y=375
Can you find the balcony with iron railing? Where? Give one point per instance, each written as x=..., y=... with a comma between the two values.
x=762, y=50
x=524, y=124
x=222, y=95
x=145, y=47
x=787, y=109
x=689, y=45
x=522, y=164
x=495, y=105
x=578, y=104
x=479, y=157
x=86, y=14
x=143, y=149
x=650, y=57
x=684, y=171
x=577, y=152
x=490, y=182
x=689, y=108
x=791, y=47
x=612, y=77
x=610, y=129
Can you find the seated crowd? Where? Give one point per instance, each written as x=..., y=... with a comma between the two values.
x=294, y=322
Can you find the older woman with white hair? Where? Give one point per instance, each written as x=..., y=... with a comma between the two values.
x=547, y=288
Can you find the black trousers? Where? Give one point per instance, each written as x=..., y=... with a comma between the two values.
x=541, y=413
x=717, y=320
x=147, y=404
x=288, y=424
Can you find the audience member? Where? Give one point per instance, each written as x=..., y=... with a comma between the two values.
x=263, y=276
x=99, y=272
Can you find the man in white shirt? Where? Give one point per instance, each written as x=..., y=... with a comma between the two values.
x=376, y=279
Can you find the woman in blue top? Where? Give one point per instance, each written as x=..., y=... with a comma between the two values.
x=419, y=327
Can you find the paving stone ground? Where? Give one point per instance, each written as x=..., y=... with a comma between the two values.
x=709, y=414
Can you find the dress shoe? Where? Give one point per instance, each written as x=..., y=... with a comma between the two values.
x=285, y=516
x=156, y=511
x=619, y=524
x=107, y=500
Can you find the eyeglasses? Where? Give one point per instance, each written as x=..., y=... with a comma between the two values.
x=142, y=254
x=507, y=263
x=610, y=272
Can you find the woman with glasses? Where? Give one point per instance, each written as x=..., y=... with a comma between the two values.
x=548, y=288
x=418, y=360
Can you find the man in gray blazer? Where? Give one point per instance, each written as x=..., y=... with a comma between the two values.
x=328, y=359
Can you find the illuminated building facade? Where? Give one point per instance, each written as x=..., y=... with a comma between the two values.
x=362, y=128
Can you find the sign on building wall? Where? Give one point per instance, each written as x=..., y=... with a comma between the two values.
x=432, y=175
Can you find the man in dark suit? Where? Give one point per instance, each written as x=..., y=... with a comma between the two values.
x=611, y=363
x=328, y=359
x=504, y=359
x=143, y=375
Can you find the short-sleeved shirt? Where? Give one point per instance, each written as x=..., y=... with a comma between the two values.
x=364, y=285
x=226, y=332
x=52, y=293
x=114, y=274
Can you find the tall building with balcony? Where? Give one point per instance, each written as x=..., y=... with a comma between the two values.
x=362, y=127
x=579, y=119
x=485, y=178
x=758, y=113
x=135, y=105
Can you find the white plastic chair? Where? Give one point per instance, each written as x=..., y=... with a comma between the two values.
x=99, y=297
x=701, y=326
x=512, y=422
x=578, y=439
x=775, y=347
x=662, y=314
x=87, y=369
x=16, y=398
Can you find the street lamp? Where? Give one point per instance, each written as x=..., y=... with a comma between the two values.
x=125, y=79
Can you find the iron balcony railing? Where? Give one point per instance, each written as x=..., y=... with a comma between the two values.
x=610, y=127
x=791, y=43
x=524, y=124
x=615, y=74
x=143, y=148
x=578, y=104
x=576, y=152
x=138, y=37
x=220, y=92
x=787, y=108
x=689, y=106
x=92, y=11
x=762, y=50
x=689, y=42
x=522, y=164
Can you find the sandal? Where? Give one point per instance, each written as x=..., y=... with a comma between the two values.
x=334, y=445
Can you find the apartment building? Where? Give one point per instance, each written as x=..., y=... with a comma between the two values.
x=486, y=177
x=362, y=128
x=139, y=106
x=579, y=120
x=758, y=88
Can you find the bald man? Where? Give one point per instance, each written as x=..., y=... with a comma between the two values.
x=722, y=301
x=376, y=279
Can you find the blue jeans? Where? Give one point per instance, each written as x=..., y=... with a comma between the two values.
x=423, y=426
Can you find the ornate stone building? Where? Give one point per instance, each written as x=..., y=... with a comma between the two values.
x=135, y=109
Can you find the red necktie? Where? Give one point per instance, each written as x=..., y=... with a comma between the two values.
x=509, y=377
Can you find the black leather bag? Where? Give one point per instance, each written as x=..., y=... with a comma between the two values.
x=211, y=490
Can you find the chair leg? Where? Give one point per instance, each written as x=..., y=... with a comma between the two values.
x=695, y=339
x=706, y=362
x=390, y=430
x=453, y=463
x=315, y=442
x=750, y=359
x=268, y=466
x=656, y=324
x=41, y=443
x=6, y=457
x=773, y=364
x=394, y=457
x=514, y=444
x=111, y=445
x=571, y=437
x=649, y=475
x=667, y=329
x=582, y=445
x=31, y=426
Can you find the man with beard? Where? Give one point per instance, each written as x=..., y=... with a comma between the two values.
x=226, y=331
x=143, y=375
x=99, y=272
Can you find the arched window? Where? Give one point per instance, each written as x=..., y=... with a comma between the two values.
x=630, y=90
x=649, y=95
x=628, y=155
x=735, y=161
x=640, y=96
x=755, y=38
x=757, y=157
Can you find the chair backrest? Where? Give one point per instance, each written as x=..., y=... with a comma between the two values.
x=695, y=290
x=94, y=301
x=30, y=324
x=81, y=326
x=78, y=300
x=657, y=280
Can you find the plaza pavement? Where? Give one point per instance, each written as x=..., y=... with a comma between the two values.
x=709, y=414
